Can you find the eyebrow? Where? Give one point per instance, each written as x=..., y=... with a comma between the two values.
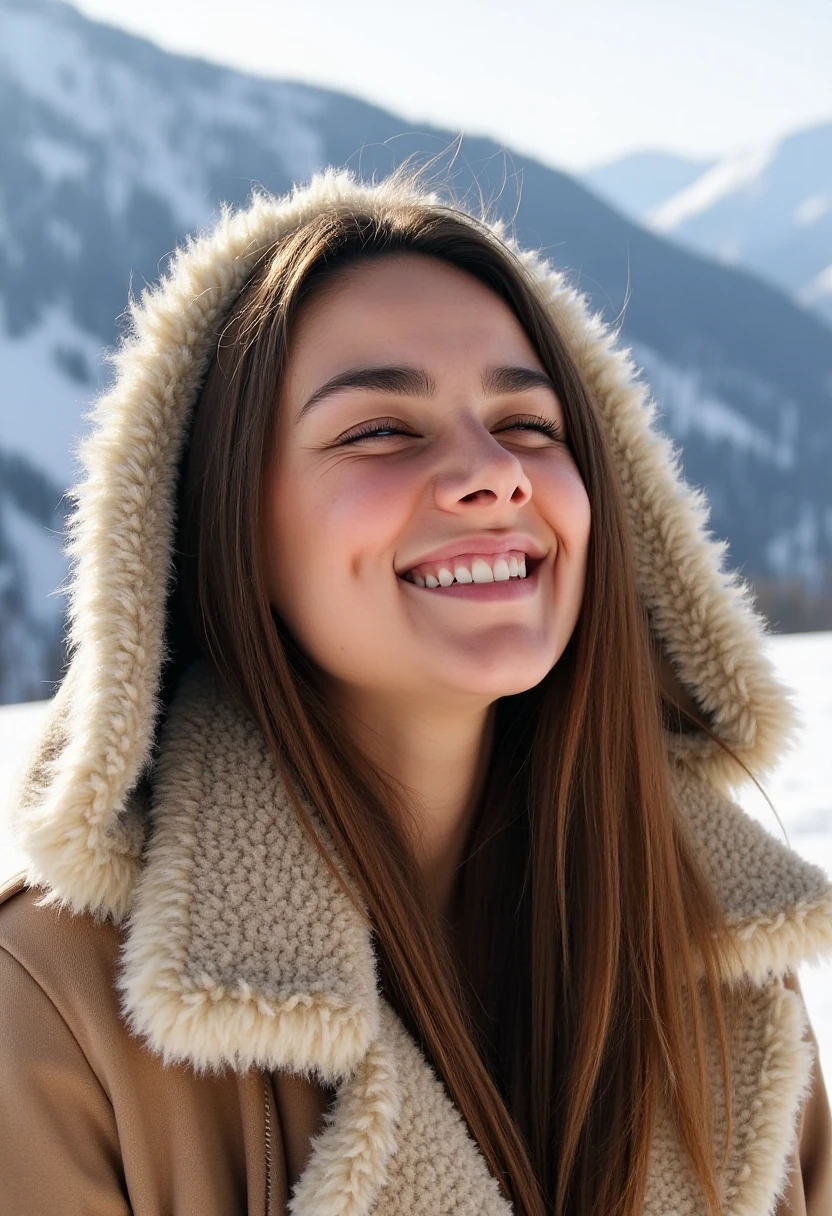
x=416, y=382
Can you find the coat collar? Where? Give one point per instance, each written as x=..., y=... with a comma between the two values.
x=242, y=951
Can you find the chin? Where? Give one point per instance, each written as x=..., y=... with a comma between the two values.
x=491, y=681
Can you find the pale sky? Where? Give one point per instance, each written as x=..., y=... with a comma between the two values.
x=573, y=83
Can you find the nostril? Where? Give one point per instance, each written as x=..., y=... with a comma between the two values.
x=474, y=495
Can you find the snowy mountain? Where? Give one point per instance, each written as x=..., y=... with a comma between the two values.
x=767, y=208
x=113, y=149
x=31, y=517
x=640, y=181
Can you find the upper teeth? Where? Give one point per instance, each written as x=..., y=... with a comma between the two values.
x=468, y=568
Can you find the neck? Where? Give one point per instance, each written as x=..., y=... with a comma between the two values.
x=440, y=759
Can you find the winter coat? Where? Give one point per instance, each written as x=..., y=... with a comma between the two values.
x=190, y=1018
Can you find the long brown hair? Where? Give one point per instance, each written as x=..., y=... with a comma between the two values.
x=571, y=998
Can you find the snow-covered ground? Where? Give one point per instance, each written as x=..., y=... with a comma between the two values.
x=801, y=790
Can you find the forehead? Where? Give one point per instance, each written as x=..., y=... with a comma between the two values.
x=406, y=304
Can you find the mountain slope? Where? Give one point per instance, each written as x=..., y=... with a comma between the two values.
x=767, y=208
x=640, y=181
x=113, y=150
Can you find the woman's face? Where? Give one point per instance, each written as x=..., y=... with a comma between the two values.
x=440, y=465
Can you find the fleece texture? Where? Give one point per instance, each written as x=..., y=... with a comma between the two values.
x=244, y=951
x=241, y=950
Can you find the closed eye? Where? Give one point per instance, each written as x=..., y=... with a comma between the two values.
x=387, y=427
x=544, y=425
x=372, y=430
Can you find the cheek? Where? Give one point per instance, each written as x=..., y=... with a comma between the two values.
x=322, y=529
x=563, y=501
x=361, y=502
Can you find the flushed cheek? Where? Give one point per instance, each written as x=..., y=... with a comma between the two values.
x=360, y=520
x=370, y=491
x=335, y=571
x=563, y=501
x=351, y=499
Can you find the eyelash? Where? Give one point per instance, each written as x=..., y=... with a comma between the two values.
x=532, y=423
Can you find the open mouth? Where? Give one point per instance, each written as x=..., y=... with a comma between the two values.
x=507, y=576
x=468, y=569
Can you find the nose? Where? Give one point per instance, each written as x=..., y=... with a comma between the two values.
x=479, y=472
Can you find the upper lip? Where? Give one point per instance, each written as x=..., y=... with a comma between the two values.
x=486, y=545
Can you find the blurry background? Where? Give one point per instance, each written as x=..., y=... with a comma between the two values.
x=675, y=159
x=677, y=162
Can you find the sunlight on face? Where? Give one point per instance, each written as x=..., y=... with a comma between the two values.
x=459, y=460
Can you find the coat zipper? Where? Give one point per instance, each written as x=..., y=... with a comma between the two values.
x=268, y=1144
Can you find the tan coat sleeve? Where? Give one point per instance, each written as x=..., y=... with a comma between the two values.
x=91, y=1120
x=809, y=1187
x=59, y=1149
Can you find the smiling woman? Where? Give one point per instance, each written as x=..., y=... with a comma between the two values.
x=406, y=691
x=455, y=468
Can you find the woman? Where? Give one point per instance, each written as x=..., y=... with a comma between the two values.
x=388, y=782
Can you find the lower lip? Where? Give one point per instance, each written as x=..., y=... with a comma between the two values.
x=490, y=593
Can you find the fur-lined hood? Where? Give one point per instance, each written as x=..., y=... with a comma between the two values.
x=240, y=948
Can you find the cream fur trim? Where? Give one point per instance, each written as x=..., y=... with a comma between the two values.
x=785, y=1079
x=197, y=1018
x=241, y=948
x=82, y=858
x=770, y=1072
x=438, y=1168
x=780, y=943
x=348, y=1162
x=778, y=906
